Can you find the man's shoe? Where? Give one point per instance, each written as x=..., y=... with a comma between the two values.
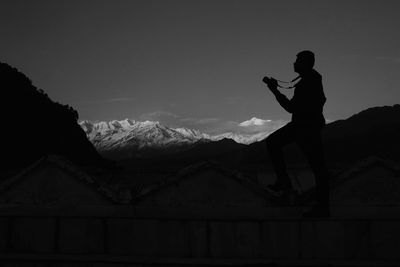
x=317, y=212
x=279, y=187
x=283, y=194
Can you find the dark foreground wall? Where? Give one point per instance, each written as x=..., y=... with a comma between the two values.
x=124, y=236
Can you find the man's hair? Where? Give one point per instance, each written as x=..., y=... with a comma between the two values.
x=307, y=57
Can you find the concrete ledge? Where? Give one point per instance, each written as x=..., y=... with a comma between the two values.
x=106, y=260
x=223, y=236
x=279, y=213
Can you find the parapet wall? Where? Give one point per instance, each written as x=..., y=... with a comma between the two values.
x=134, y=236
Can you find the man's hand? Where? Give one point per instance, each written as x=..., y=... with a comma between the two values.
x=271, y=83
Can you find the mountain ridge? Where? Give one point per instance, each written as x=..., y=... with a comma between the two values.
x=48, y=127
x=136, y=135
x=370, y=132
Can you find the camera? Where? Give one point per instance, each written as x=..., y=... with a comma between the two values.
x=270, y=81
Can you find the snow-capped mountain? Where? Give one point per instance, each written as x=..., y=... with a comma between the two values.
x=254, y=122
x=135, y=135
x=241, y=138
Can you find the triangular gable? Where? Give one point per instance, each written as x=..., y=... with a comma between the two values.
x=373, y=181
x=65, y=166
x=205, y=170
x=365, y=165
x=339, y=179
x=10, y=181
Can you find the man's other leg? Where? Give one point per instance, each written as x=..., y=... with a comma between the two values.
x=275, y=143
x=311, y=144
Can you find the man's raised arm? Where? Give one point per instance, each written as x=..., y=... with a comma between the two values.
x=281, y=98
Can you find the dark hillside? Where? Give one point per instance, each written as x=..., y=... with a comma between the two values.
x=33, y=125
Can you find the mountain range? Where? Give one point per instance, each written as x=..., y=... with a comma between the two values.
x=53, y=128
x=127, y=138
x=370, y=132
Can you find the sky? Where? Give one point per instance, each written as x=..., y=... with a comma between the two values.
x=199, y=64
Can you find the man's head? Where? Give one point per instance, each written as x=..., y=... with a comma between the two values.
x=304, y=62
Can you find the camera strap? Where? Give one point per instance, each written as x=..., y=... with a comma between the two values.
x=288, y=87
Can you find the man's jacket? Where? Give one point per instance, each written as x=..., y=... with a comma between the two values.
x=306, y=105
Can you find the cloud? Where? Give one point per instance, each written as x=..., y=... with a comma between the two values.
x=222, y=127
x=158, y=114
x=173, y=120
x=217, y=126
x=254, y=122
x=105, y=101
x=119, y=99
x=214, y=125
x=208, y=120
x=203, y=124
x=255, y=126
x=164, y=117
x=199, y=121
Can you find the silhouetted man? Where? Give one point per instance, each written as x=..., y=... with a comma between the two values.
x=304, y=129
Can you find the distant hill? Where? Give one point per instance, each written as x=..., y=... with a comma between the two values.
x=374, y=131
x=34, y=125
x=363, y=122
